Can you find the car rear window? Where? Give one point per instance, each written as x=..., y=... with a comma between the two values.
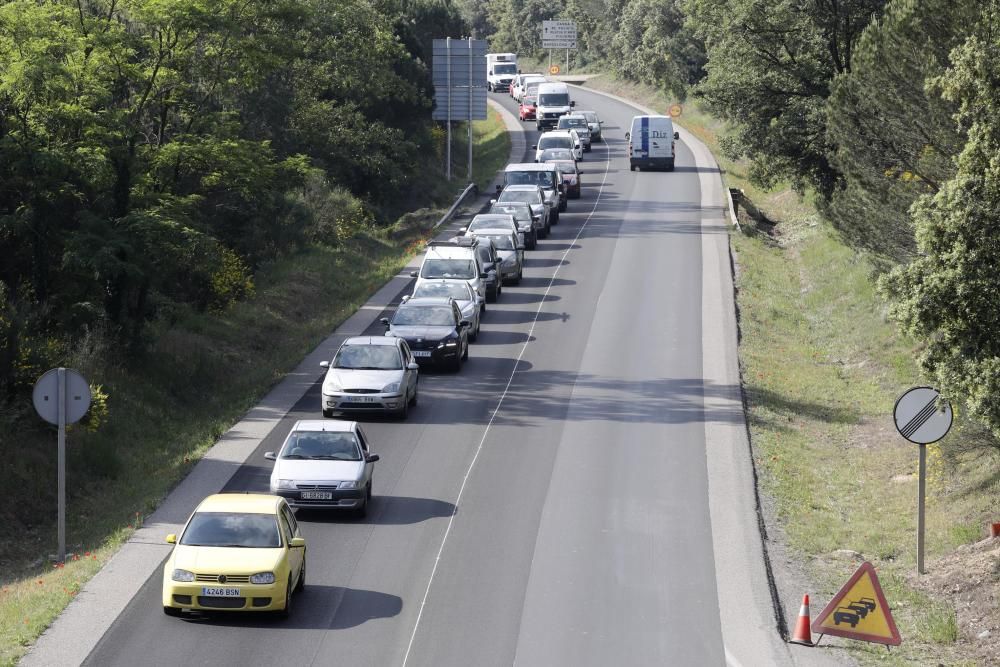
x=456, y=290
x=232, y=529
x=448, y=268
x=560, y=141
x=433, y=316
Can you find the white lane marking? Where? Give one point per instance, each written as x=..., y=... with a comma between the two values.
x=496, y=411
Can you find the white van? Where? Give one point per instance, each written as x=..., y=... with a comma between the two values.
x=552, y=102
x=651, y=143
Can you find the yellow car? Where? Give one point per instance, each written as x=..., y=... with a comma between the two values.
x=238, y=552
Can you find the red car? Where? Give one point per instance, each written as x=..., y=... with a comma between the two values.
x=527, y=109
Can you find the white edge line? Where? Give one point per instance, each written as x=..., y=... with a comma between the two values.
x=496, y=410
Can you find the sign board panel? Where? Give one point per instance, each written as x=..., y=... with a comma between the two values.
x=558, y=34
x=921, y=417
x=859, y=611
x=458, y=72
x=46, y=396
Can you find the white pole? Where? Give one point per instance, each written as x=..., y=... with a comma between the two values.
x=471, y=88
x=447, y=168
x=921, y=481
x=61, y=411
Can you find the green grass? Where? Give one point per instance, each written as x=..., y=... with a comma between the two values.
x=822, y=368
x=201, y=373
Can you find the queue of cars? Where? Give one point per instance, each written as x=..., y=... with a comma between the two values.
x=246, y=552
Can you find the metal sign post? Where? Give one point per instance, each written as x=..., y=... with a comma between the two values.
x=61, y=396
x=923, y=418
x=459, y=77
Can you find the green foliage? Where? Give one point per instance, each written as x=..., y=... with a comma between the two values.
x=893, y=138
x=947, y=296
x=770, y=64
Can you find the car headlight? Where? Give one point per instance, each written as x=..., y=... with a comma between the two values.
x=450, y=342
x=262, y=578
x=390, y=388
x=510, y=261
x=352, y=484
x=330, y=387
x=285, y=484
x=182, y=575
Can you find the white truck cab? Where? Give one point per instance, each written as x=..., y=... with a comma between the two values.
x=501, y=68
x=551, y=104
x=651, y=143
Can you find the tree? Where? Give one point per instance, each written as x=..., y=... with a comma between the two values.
x=949, y=296
x=894, y=139
x=770, y=64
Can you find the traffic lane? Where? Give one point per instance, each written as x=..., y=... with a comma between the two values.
x=499, y=522
x=642, y=544
x=423, y=462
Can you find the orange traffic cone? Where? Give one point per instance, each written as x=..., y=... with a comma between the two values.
x=802, y=634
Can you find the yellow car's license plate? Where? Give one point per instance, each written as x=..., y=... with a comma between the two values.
x=220, y=592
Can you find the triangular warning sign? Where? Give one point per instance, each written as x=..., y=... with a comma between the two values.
x=859, y=611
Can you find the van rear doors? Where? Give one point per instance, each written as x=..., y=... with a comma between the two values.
x=651, y=143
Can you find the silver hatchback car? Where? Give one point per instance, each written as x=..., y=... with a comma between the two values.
x=371, y=374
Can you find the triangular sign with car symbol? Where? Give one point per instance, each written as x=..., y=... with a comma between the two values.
x=859, y=611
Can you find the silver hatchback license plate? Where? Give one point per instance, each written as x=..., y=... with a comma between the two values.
x=220, y=592
x=317, y=495
x=361, y=399
x=421, y=353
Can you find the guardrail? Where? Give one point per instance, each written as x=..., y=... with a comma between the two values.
x=471, y=188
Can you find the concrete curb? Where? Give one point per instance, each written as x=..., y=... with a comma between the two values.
x=78, y=629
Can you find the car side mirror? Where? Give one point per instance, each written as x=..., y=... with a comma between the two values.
x=677, y=135
x=600, y=122
x=493, y=201
x=572, y=103
x=462, y=230
x=270, y=456
x=406, y=297
x=171, y=538
x=535, y=147
x=413, y=274
x=372, y=458
x=384, y=320
x=324, y=364
x=297, y=543
x=484, y=275
x=412, y=366
x=464, y=324
x=628, y=135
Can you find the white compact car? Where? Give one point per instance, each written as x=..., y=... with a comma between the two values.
x=324, y=464
x=370, y=374
x=559, y=139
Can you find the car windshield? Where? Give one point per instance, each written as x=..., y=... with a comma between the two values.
x=528, y=101
x=526, y=196
x=567, y=167
x=554, y=99
x=232, y=529
x=434, y=316
x=322, y=445
x=520, y=211
x=559, y=141
x=448, y=268
x=368, y=357
x=491, y=222
x=509, y=68
x=573, y=122
x=551, y=154
x=542, y=178
x=501, y=241
x=454, y=289
x=591, y=116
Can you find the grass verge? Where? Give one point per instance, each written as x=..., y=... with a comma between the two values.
x=822, y=368
x=200, y=374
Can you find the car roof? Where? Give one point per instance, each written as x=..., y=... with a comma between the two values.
x=428, y=301
x=368, y=340
x=575, y=114
x=521, y=187
x=249, y=503
x=491, y=230
x=527, y=166
x=487, y=217
x=450, y=251
x=556, y=133
x=332, y=425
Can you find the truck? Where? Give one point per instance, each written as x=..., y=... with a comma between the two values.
x=501, y=68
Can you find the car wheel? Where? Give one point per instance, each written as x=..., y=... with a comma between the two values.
x=493, y=294
x=286, y=611
x=520, y=274
x=465, y=354
x=328, y=414
x=404, y=411
x=302, y=576
x=538, y=127
x=473, y=335
x=456, y=365
x=555, y=218
x=363, y=510
x=416, y=390
x=172, y=611
x=563, y=205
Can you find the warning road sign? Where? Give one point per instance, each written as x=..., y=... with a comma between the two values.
x=554, y=69
x=859, y=611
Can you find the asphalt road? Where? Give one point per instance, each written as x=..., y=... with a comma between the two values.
x=546, y=506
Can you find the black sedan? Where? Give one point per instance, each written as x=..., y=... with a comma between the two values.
x=434, y=329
